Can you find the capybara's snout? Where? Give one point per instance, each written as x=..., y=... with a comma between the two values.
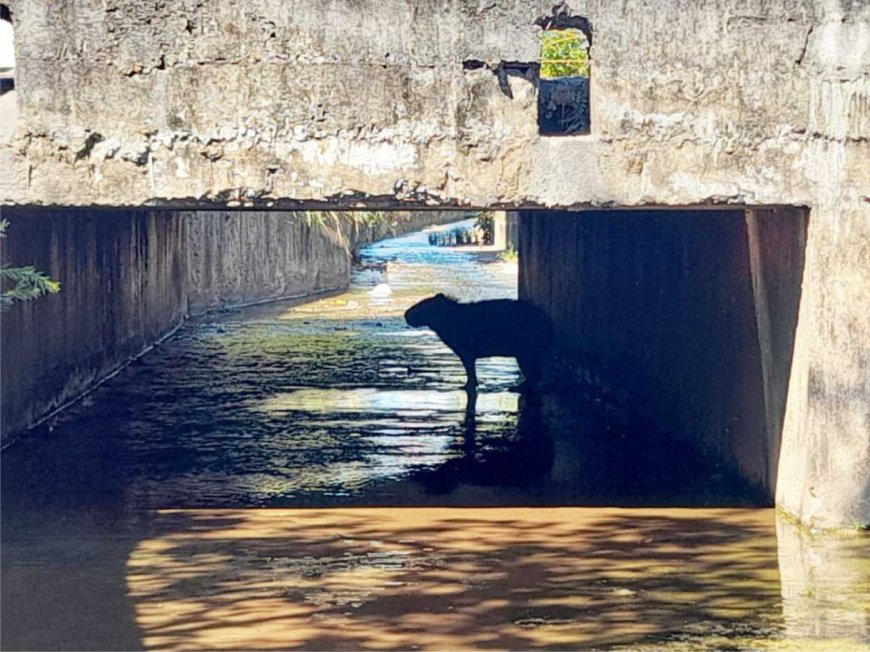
x=412, y=317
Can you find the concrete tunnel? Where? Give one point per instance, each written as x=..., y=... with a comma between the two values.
x=701, y=244
x=684, y=318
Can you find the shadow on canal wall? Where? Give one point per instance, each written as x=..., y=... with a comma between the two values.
x=690, y=315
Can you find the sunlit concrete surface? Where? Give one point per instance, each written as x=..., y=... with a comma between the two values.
x=9, y=111
x=433, y=579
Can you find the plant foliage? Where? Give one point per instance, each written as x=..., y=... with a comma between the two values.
x=564, y=53
x=22, y=283
x=358, y=218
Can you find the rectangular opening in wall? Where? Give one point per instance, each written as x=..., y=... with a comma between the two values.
x=563, y=93
x=7, y=50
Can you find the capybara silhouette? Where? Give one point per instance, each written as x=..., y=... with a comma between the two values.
x=483, y=329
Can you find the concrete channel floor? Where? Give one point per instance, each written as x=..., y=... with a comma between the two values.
x=298, y=477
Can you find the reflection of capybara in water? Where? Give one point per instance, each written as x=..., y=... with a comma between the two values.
x=484, y=329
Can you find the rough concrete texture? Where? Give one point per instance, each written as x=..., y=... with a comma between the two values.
x=237, y=258
x=233, y=258
x=122, y=287
x=368, y=102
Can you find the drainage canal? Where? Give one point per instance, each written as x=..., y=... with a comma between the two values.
x=338, y=402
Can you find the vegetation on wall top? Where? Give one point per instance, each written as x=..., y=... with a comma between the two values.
x=564, y=53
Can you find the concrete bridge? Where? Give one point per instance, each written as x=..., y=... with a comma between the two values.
x=704, y=249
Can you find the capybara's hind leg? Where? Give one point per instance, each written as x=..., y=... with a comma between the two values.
x=530, y=365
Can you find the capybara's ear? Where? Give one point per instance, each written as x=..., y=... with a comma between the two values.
x=440, y=295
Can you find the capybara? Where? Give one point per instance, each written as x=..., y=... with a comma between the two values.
x=483, y=329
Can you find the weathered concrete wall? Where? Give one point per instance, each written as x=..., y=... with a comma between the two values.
x=776, y=242
x=236, y=258
x=692, y=319
x=824, y=470
x=122, y=287
x=371, y=102
x=239, y=258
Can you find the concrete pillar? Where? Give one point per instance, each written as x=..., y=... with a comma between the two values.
x=499, y=230
x=824, y=466
x=513, y=230
x=776, y=240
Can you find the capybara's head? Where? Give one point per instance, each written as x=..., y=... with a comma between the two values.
x=428, y=311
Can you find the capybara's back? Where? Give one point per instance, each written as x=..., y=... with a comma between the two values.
x=501, y=327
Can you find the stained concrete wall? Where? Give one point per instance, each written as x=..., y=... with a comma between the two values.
x=398, y=102
x=130, y=277
x=234, y=259
x=776, y=244
x=824, y=471
x=123, y=285
x=660, y=309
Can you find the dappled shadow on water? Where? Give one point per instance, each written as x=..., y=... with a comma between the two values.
x=430, y=578
x=458, y=579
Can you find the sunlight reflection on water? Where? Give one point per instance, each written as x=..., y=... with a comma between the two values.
x=399, y=402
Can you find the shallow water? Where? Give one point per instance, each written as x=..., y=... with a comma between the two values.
x=336, y=403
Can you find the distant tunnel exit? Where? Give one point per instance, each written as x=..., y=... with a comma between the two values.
x=686, y=317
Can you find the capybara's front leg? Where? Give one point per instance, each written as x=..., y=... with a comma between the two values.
x=471, y=373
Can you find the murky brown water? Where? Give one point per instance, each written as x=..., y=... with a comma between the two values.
x=337, y=403
x=497, y=578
